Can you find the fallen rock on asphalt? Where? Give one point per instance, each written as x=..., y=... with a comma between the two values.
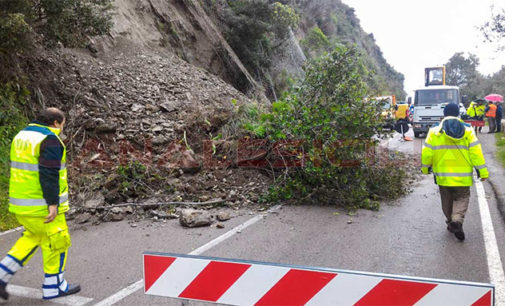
x=223, y=216
x=195, y=218
x=82, y=218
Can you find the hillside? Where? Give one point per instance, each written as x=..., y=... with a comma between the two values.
x=166, y=77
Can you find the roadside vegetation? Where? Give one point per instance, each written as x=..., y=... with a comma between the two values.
x=500, y=147
x=11, y=121
x=327, y=120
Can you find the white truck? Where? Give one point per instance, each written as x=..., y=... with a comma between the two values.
x=430, y=101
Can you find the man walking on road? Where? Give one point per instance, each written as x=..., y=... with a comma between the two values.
x=452, y=151
x=38, y=192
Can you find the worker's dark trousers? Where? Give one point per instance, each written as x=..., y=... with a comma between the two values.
x=492, y=124
x=498, y=124
x=455, y=202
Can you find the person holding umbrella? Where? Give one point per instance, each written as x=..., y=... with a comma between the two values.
x=498, y=100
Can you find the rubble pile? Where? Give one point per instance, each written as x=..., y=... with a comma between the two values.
x=135, y=127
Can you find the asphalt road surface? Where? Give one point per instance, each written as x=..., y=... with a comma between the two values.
x=406, y=237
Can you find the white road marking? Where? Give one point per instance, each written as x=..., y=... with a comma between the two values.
x=17, y=229
x=496, y=275
x=113, y=299
x=31, y=293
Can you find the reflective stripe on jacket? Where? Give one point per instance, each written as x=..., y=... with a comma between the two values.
x=26, y=196
x=453, y=159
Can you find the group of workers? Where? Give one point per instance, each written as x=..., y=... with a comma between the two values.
x=493, y=111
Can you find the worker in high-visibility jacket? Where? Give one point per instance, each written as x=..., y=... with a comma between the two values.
x=476, y=111
x=38, y=197
x=491, y=116
x=452, y=151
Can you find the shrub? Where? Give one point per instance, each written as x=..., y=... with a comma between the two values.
x=67, y=21
x=316, y=41
x=253, y=26
x=12, y=98
x=328, y=112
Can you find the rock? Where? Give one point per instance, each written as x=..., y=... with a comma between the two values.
x=128, y=210
x=117, y=217
x=233, y=196
x=106, y=128
x=160, y=140
x=116, y=210
x=137, y=108
x=83, y=218
x=179, y=157
x=97, y=200
x=223, y=216
x=160, y=214
x=220, y=225
x=157, y=128
x=168, y=107
x=195, y=218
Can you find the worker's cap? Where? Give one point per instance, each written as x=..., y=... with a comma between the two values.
x=451, y=109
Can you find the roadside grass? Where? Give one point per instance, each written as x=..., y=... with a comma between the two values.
x=500, y=147
x=7, y=220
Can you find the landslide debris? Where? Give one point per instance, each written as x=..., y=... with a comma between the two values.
x=137, y=120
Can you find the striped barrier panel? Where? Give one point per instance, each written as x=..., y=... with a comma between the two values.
x=238, y=282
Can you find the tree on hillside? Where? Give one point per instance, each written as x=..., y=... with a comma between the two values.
x=462, y=72
x=253, y=27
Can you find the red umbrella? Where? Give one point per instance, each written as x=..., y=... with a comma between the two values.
x=494, y=98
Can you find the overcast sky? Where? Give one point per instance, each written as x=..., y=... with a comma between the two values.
x=414, y=34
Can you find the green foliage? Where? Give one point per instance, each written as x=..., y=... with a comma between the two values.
x=12, y=98
x=500, y=147
x=462, y=72
x=284, y=17
x=131, y=179
x=340, y=25
x=67, y=21
x=329, y=114
x=253, y=25
x=14, y=33
x=315, y=41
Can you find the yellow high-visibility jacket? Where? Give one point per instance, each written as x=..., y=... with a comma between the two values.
x=475, y=110
x=26, y=196
x=452, y=150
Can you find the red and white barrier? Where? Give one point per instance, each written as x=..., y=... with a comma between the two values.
x=237, y=282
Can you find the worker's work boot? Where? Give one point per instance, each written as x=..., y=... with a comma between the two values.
x=56, y=286
x=3, y=291
x=458, y=230
x=8, y=267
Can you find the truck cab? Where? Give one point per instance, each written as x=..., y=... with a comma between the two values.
x=429, y=104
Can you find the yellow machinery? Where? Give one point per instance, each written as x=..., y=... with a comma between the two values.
x=401, y=111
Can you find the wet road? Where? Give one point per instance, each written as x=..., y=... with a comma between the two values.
x=406, y=237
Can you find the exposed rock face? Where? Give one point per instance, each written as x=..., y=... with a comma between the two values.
x=181, y=27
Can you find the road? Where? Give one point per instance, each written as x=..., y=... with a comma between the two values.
x=406, y=237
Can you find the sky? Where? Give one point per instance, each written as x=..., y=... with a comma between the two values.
x=414, y=34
